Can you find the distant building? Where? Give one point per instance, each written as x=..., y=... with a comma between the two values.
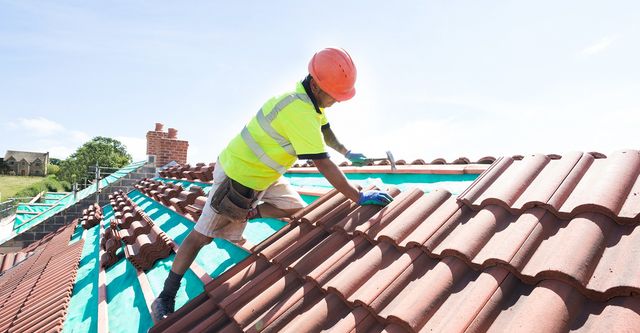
x=23, y=163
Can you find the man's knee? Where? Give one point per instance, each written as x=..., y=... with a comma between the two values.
x=291, y=211
x=197, y=239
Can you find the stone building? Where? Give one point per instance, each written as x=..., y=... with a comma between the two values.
x=23, y=163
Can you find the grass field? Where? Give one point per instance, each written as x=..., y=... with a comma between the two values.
x=10, y=185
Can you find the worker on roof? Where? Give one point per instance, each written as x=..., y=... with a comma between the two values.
x=249, y=170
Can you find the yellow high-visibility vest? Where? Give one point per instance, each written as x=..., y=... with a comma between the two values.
x=285, y=127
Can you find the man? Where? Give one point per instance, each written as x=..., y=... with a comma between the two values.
x=249, y=170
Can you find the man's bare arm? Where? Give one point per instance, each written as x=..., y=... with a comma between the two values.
x=332, y=141
x=336, y=178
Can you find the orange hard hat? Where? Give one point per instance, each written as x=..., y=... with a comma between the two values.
x=334, y=72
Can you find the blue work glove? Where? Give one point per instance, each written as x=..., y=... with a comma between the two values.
x=356, y=158
x=373, y=197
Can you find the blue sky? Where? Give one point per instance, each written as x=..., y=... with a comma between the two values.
x=435, y=78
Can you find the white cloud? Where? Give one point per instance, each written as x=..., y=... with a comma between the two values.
x=136, y=147
x=599, y=46
x=38, y=126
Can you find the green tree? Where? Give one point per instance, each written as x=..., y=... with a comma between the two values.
x=53, y=169
x=4, y=168
x=55, y=161
x=106, y=152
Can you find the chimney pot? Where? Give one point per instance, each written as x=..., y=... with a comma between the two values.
x=159, y=127
x=173, y=133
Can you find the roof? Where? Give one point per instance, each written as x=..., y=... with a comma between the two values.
x=34, y=295
x=27, y=156
x=538, y=244
x=29, y=215
x=419, y=161
x=10, y=259
x=542, y=243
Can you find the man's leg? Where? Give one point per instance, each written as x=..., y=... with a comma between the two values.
x=268, y=210
x=165, y=303
x=280, y=200
x=200, y=236
x=188, y=251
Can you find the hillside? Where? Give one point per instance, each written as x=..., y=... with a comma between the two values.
x=10, y=185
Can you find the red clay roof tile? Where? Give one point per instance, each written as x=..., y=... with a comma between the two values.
x=502, y=258
x=569, y=186
x=35, y=294
x=144, y=242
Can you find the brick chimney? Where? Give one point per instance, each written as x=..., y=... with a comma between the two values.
x=166, y=146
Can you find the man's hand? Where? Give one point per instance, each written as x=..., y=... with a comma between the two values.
x=356, y=158
x=373, y=197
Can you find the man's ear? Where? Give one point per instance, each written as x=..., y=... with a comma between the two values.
x=314, y=86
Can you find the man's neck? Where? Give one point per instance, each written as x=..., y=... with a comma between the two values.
x=306, y=83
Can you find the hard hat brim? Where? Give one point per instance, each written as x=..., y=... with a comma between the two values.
x=341, y=97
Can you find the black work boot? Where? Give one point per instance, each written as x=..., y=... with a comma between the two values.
x=166, y=301
x=161, y=308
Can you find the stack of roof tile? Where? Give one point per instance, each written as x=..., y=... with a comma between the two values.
x=188, y=202
x=187, y=198
x=194, y=210
x=91, y=216
x=35, y=294
x=136, y=227
x=200, y=172
x=148, y=248
x=145, y=243
x=540, y=244
x=167, y=192
x=146, y=185
x=110, y=244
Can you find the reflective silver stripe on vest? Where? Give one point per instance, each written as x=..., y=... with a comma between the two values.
x=265, y=121
x=265, y=124
x=259, y=152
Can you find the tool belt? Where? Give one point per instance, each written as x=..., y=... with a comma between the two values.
x=233, y=199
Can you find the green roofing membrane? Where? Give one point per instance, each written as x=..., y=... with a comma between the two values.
x=309, y=198
x=82, y=314
x=214, y=258
x=190, y=286
x=186, y=184
x=454, y=183
x=77, y=235
x=127, y=311
x=127, y=308
x=34, y=208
